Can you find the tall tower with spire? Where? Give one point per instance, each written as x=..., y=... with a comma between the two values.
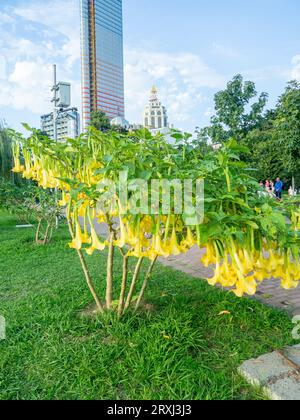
x=155, y=114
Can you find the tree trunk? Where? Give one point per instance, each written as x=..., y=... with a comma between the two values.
x=133, y=283
x=145, y=284
x=123, y=286
x=46, y=235
x=38, y=232
x=109, y=279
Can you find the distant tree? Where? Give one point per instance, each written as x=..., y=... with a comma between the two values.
x=236, y=114
x=266, y=158
x=119, y=129
x=5, y=153
x=288, y=129
x=100, y=120
x=203, y=144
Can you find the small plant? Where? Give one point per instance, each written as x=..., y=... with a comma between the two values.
x=31, y=204
x=45, y=208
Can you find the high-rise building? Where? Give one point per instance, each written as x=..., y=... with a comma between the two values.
x=155, y=115
x=102, y=58
x=68, y=124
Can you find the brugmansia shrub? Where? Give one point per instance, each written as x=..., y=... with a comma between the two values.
x=248, y=239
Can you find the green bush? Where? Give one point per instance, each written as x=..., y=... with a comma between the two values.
x=31, y=204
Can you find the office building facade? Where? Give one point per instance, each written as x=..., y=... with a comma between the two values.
x=68, y=124
x=102, y=58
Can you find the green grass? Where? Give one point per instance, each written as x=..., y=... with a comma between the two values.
x=51, y=352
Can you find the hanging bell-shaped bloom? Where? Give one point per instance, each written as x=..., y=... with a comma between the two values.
x=175, y=248
x=86, y=237
x=45, y=179
x=131, y=238
x=18, y=168
x=245, y=285
x=79, y=238
x=159, y=248
x=209, y=258
x=121, y=242
x=247, y=261
x=82, y=209
x=228, y=274
x=65, y=199
x=150, y=254
x=97, y=245
x=259, y=275
x=189, y=241
x=136, y=251
x=288, y=281
x=216, y=278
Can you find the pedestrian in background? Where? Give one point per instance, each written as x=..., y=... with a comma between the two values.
x=278, y=188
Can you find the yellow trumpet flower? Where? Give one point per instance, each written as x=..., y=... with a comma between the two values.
x=82, y=209
x=131, y=238
x=189, y=241
x=245, y=285
x=121, y=242
x=159, y=248
x=65, y=200
x=146, y=224
x=216, y=278
x=79, y=238
x=209, y=258
x=175, y=248
x=150, y=254
x=259, y=275
x=288, y=282
x=97, y=245
x=18, y=168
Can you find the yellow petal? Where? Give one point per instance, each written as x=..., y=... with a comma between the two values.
x=175, y=249
x=77, y=242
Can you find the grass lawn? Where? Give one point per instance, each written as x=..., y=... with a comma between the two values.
x=181, y=349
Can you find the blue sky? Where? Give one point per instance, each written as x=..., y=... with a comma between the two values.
x=189, y=49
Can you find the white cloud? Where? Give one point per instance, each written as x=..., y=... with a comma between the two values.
x=181, y=79
x=26, y=87
x=41, y=33
x=295, y=72
x=3, y=72
x=6, y=18
x=60, y=19
x=209, y=112
x=59, y=15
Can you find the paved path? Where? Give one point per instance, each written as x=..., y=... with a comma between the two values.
x=269, y=292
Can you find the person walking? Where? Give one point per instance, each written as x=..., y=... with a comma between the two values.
x=278, y=188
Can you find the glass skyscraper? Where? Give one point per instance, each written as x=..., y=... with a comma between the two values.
x=102, y=58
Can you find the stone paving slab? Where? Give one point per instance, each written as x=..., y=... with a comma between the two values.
x=269, y=292
x=278, y=374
